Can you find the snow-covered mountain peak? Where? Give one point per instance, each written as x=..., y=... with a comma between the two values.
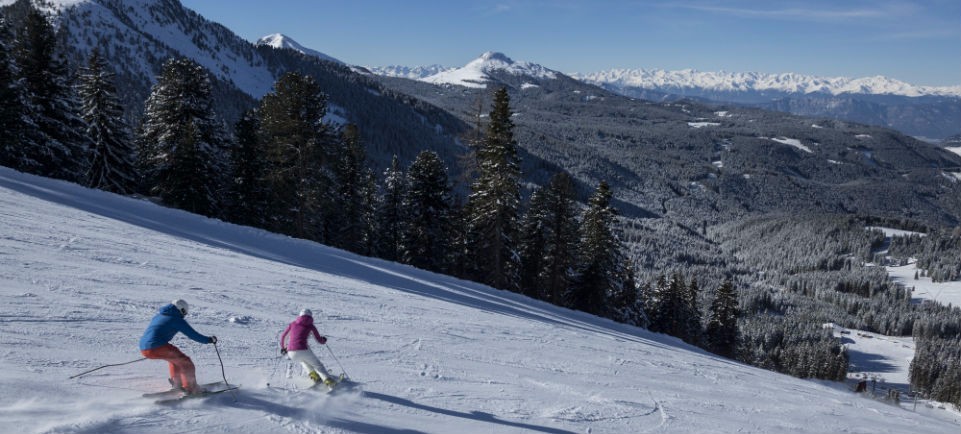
x=476, y=73
x=280, y=40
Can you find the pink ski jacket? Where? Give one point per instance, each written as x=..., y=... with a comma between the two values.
x=299, y=331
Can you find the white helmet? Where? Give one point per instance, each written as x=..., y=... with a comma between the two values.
x=181, y=305
x=306, y=312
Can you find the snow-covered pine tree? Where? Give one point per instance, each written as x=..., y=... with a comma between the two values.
x=299, y=148
x=426, y=241
x=13, y=107
x=391, y=216
x=721, y=333
x=600, y=256
x=112, y=151
x=55, y=144
x=248, y=192
x=183, y=153
x=494, y=202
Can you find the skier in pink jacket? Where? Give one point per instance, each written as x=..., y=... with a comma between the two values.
x=298, y=351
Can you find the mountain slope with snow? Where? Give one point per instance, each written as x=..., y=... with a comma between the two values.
x=85, y=270
x=138, y=30
x=280, y=40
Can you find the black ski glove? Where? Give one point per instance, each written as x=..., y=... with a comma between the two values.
x=283, y=351
x=213, y=339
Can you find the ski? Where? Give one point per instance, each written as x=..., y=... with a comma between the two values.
x=175, y=391
x=340, y=382
x=195, y=395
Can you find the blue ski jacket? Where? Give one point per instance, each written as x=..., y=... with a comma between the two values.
x=165, y=326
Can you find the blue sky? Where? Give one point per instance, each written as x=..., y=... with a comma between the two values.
x=918, y=42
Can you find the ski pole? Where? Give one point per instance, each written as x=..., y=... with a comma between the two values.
x=222, y=373
x=274, y=370
x=105, y=366
x=336, y=360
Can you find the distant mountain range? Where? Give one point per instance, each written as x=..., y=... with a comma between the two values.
x=689, y=80
x=923, y=111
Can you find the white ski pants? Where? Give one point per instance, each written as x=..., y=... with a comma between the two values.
x=309, y=361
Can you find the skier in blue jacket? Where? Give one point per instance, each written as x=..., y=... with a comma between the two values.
x=155, y=344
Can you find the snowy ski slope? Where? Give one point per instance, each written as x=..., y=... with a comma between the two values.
x=82, y=272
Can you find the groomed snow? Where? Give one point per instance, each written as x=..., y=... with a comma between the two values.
x=83, y=272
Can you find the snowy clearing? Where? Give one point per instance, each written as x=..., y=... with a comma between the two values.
x=955, y=150
x=924, y=288
x=84, y=271
x=891, y=232
x=702, y=124
x=792, y=142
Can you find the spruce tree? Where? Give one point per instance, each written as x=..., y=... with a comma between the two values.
x=391, y=215
x=299, y=151
x=548, y=241
x=426, y=241
x=368, y=213
x=692, y=333
x=494, y=201
x=562, y=238
x=599, y=271
x=351, y=231
x=670, y=310
x=183, y=149
x=55, y=144
x=721, y=333
x=532, y=245
x=112, y=152
x=248, y=192
x=627, y=305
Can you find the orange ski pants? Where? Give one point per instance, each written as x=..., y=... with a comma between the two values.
x=181, y=367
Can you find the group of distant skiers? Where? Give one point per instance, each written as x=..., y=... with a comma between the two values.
x=155, y=344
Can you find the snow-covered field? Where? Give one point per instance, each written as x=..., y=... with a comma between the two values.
x=83, y=272
x=923, y=288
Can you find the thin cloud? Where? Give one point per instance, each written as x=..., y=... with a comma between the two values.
x=793, y=13
x=918, y=35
